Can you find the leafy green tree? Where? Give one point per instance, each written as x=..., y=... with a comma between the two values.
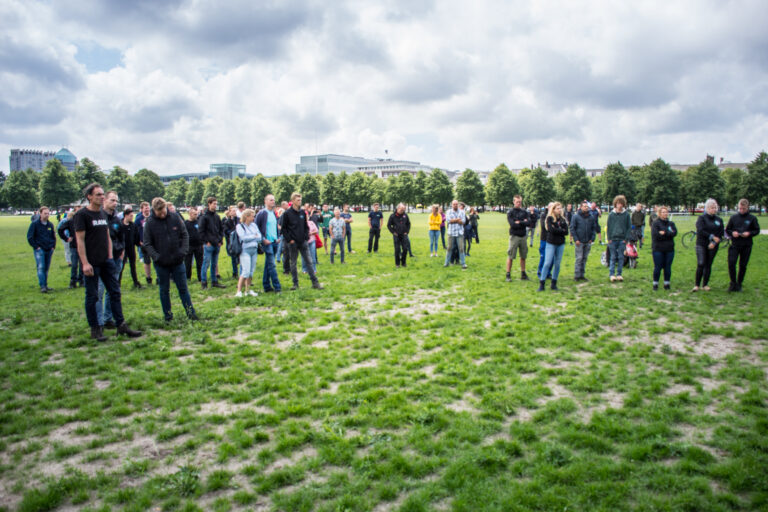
x=88, y=172
x=148, y=185
x=195, y=192
x=121, y=182
x=574, y=185
x=57, y=185
x=756, y=182
x=309, y=188
x=176, y=191
x=357, y=189
x=659, y=184
x=469, y=188
x=406, y=189
x=3, y=199
x=378, y=188
x=598, y=189
x=261, y=188
x=283, y=188
x=538, y=188
x=20, y=189
x=439, y=188
x=329, y=191
x=420, y=185
x=212, y=189
x=244, y=191
x=226, y=195
x=341, y=188
x=735, y=186
x=617, y=180
x=502, y=186
x=701, y=182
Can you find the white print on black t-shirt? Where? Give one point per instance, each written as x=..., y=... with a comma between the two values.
x=99, y=222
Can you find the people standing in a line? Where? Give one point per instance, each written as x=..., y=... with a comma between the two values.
x=619, y=226
x=663, y=233
x=266, y=221
x=455, y=219
x=66, y=232
x=94, y=247
x=399, y=225
x=327, y=215
x=296, y=236
x=557, y=229
x=250, y=238
x=543, y=242
x=130, y=234
x=638, y=224
x=116, y=234
x=141, y=218
x=532, y=226
x=442, y=226
x=349, y=220
x=42, y=238
x=742, y=228
x=192, y=224
x=596, y=214
x=519, y=221
x=337, y=227
x=710, y=230
x=375, y=219
x=229, y=224
x=212, y=232
x=435, y=221
x=166, y=241
x=583, y=231
x=473, y=218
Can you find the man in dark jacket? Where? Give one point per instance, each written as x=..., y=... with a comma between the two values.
x=742, y=228
x=229, y=224
x=534, y=213
x=638, y=223
x=211, y=232
x=296, y=236
x=166, y=242
x=399, y=225
x=583, y=231
x=195, y=244
x=130, y=237
x=141, y=218
x=67, y=234
x=519, y=221
x=42, y=237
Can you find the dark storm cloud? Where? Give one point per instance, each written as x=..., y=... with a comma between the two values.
x=431, y=82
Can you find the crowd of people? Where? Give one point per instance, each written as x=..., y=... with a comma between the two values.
x=101, y=240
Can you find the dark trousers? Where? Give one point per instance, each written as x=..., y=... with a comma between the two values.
x=130, y=255
x=477, y=237
x=179, y=275
x=286, y=257
x=401, y=249
x=662, y=261
x=704, y=258
x=293, y=250
x=106, y=272
x=442, y=235
x=742, y=255
x=197, y=254
x=349, y=239
x=373, y=239
x=76, y=271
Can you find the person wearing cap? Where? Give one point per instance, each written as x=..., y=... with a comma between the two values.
x=130, y=235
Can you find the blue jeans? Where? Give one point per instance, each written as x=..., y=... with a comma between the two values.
x=270, y=280
x=43, y=262
x=616, y=249
x=349, y=238
x=542, y=259
x=278, y=252
x=313, y=255
x=76, y=272
x=334, y=242
x=103, y=306
x=662, y=261
x=179, y=275
x=248, y=261
x=106, y=273
x=455, y=241
x=552, y=260
x=434, y=238
x=210, y=259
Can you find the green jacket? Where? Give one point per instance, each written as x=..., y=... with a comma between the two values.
x=618, y=226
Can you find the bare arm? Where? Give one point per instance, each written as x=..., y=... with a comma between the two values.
x=87, y=268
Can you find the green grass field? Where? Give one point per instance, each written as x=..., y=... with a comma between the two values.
x=413, y=389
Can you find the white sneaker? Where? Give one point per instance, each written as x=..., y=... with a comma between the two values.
x=252, y=293
x=238, y=295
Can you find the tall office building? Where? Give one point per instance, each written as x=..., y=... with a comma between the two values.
x=23, y=159
x=226, y=171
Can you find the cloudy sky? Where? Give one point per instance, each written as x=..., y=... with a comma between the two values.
x=175, y=85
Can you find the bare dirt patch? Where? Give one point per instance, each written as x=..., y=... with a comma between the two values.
x=466, y=404
x=372, y=363
x=306, y=453
x=223, y=408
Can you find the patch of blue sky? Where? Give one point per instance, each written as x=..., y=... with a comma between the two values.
x=97, y=58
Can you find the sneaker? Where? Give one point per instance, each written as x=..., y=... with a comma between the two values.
x=72, y=286
x=445, y=265
x=463, y=267
x=695, y=289
x=523, y=276
x=732, y=287
x=317, y=286
x=218, y=285
x=707, y=288
x=193, y=317
x=239, y=295
x=97, y=334
x=738, y=287
x=43, y=290
x=110, y=325
x=666, y=287
x=508, y=279
x=124, y=329
x=655, y=287
x=294, y=287
x=613, y=278
x=619, y=278
x=203, y=285
x=583, y=279
x=252, y=293
x=149, y=280
x=137, y=285
x=168, y=319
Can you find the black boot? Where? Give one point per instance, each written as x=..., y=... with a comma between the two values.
x=124, y=329
x=541, y=286
x=523, y=276
x=553, y=285
x=98, y=334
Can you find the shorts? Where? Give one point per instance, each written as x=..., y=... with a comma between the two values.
x=515, y=243
x=326, y=232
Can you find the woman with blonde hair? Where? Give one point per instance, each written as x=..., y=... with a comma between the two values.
x=557, y=229
x=435, y=219
x=250, y=237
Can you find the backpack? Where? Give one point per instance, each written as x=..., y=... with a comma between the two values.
x=234, y=245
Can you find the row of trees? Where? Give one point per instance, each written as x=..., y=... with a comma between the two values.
x=655, y=183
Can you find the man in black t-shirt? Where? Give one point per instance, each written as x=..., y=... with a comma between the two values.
x=374, y=228
x=94, y=248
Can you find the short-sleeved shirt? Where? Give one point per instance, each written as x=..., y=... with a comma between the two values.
x=96, y=230
x=327, y=216
x=347, y=216
x=376, y=219
x=271, y=233
x=337, y=227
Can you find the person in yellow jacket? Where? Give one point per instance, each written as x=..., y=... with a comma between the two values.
x=435, y=219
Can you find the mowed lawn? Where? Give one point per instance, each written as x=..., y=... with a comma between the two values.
x=424, y=388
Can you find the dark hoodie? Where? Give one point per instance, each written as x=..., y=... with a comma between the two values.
x=708, y=226
x=211, y=228
x=166, y=240
x=665, y=242
x=556, y=230
x=399, y=225
x=742, y=223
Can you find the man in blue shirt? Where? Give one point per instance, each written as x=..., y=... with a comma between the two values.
x=42, y=237
x=374, y=228
x=266, y=221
